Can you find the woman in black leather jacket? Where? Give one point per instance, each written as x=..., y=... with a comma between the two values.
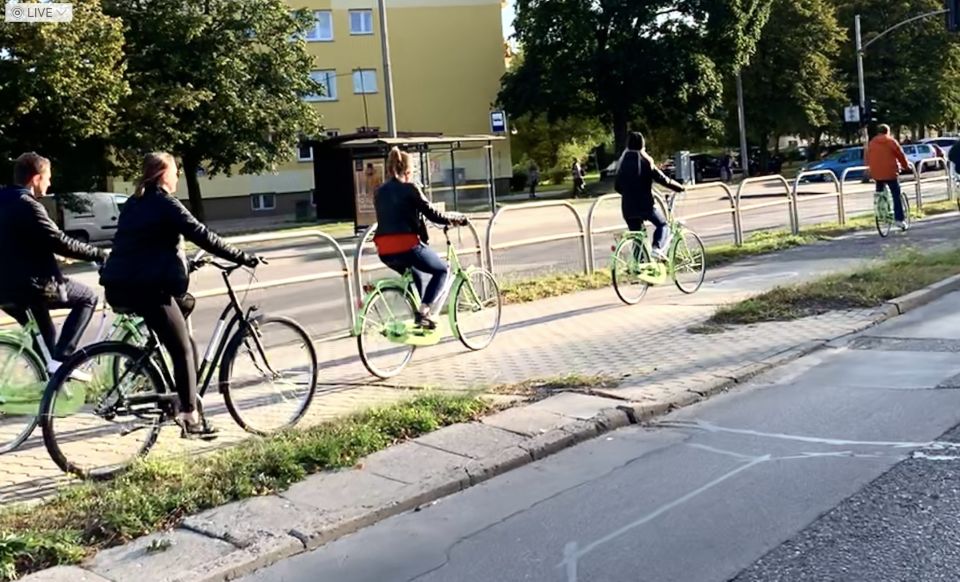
x=402, y=232
x=636, y=174
x=147, y=273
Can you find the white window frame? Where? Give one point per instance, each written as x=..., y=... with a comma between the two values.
x=332, y=133
x=263, y=197
x=314, y=35
x=360, y=32
x=330, y=82
x=300, y=158
x=366, y=90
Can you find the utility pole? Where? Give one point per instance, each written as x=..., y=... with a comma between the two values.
x=864, y=135
x=744, y=154
x=387, y=71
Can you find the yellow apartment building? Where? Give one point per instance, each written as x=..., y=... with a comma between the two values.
x=447, y=61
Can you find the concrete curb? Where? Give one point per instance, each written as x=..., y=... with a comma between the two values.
x=239, y=538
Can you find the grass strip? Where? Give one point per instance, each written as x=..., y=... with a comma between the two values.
x=863, y=288
x=157, y=494
x=539, y=389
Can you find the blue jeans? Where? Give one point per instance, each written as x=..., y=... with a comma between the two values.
x=656, y=218
x=894, y=186
x=423, y=261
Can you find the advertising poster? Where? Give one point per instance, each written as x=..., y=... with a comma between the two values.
x=368, y=176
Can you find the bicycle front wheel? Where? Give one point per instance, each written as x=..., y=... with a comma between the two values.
x=269, y=375
x=477, y=308
x=388, y=316
x=883, y=214
x=96, y=422
x=906, y=209
x=628, y=260
x=22, y=380
x=688, y=257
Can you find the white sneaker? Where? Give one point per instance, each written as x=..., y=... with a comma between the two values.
x=903, y=225
x=79, y=375
x=659, y=254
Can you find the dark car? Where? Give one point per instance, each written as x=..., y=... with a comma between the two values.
x=705, y=167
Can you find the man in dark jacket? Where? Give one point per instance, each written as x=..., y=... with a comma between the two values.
x=31, y=276
x=636, y=174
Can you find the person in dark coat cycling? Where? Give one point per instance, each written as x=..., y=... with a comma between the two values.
x=147, y=273
x=402, y=233
x=31, y=276
x=636, y=174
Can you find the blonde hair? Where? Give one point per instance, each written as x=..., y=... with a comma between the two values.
x=154, y=165
x=398, y=162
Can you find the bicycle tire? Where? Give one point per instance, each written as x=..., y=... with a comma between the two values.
x=366, y=357
x=229, y=358
x=35, y=365
x=56, y=383
x=906, y=209
x=618, y=280
x=703, y=261
x=464, y=284
x=883, y=214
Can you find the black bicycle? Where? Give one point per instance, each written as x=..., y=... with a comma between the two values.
x=131, y=395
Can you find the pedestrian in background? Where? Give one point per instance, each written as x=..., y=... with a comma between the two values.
x=534, y=179
x=578, y=180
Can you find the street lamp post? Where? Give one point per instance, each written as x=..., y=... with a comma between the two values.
x=387, y=70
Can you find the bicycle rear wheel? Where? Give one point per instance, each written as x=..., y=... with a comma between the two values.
x=628, y=258
x=906, y=209
x=269, y=375
x=883, y=213
x=688, y=257
x=95, y=423
x=22, y=380
x=477, y=309
x=387, y=318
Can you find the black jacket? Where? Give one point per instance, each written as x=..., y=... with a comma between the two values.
x=30, y=241
x=401, y=207
x=146, y=248
x=635, y=184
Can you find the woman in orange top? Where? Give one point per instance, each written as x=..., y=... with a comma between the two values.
x=402, y=233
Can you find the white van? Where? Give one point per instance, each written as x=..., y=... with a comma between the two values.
x=96, y=224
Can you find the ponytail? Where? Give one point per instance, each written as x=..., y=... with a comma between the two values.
x=154, y=165
x=398, y=162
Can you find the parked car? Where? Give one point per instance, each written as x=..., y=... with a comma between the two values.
x=836, y=163
x=705, y=167
x=921, y=151
x=98, y=223
x=945, y=143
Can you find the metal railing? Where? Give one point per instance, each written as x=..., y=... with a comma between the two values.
x=591, y=215
x=581, y=235
x=838, y=194
x=843, y=180
x=791, y=202
x=367, y=239
x=732, y=211
x=918, y=173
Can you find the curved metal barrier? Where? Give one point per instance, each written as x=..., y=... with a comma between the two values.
x=843, y=181
x=790, y=202
x=581, y=235
x=367, y=238
x=732, y=211
x=841, y=212
x=918, y=173
x=591, y=231
x=343, y=273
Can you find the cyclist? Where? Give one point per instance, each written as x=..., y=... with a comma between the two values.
x=32, y=278
x=402, y=233
x=885, y=159
x=636, y=173
x=147, y=274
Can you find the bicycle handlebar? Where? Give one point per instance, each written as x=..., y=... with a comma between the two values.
x=198, y=263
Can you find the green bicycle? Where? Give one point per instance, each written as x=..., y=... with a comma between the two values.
x=24, y=373
x=633, y=269
x=387, y=335
x=883, y=210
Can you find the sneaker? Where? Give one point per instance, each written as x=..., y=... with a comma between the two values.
x=659, y=255
x=193, y=430
x=903, y=225
x=425, y=322
x=78, y=375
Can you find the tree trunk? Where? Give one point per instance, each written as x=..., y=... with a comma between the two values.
x=620, y=127
x=190, y=166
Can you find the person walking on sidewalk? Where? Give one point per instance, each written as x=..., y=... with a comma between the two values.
x=31, y=277
x=578, y=180
x=402, y=233
x=885, y=159
x=533, y=179
x=636, y=173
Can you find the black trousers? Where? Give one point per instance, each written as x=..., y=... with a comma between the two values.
x=79, y=299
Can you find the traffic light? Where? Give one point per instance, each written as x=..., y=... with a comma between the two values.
x=872, y=112
x=953, y=15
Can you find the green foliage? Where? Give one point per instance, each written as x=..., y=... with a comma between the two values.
x=218, y=83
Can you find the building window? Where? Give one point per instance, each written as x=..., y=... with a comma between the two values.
x=322, y=29
x=328, y=79
x=332, y=133
x=304, y=153
x=361, y=22
x=259, y=202
x=364, y=81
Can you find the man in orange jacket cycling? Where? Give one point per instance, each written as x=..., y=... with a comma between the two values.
x=886, y=159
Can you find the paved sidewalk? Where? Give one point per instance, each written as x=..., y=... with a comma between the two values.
x=588, y=333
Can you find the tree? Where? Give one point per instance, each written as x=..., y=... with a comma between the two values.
x=792, y=85
x=913, y=72
x=60, y=84
x=554, y=145
x=219, y=83
x=659, y=61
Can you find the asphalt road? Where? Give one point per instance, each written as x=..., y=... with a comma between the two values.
x=322, y=306
x=829, y=468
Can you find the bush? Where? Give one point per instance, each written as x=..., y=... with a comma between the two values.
x=518, y=183
x=558, y=175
